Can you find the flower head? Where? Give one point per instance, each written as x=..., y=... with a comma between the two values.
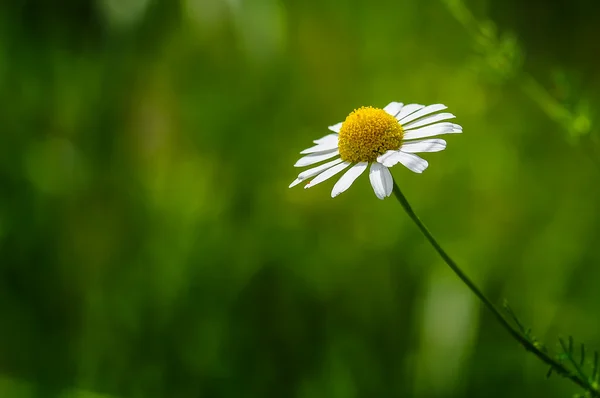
x=379, y=138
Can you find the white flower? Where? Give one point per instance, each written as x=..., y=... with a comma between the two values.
x=380, y=138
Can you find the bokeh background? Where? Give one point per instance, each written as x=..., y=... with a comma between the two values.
x=150, y=246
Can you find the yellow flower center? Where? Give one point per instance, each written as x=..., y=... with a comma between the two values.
x=367, y=133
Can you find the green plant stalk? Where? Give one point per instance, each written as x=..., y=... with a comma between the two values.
x=528, y=345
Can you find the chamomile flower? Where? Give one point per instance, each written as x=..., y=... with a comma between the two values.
x=377, y=139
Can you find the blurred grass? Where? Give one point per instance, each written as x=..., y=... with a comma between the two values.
x=149, y=245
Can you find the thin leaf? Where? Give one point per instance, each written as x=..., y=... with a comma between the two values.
x=563, y=345
x=570, y=351
x=513, y=316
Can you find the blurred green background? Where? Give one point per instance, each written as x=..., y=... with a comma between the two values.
x=150, y=247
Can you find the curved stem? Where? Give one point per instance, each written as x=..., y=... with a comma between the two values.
x=529, y=346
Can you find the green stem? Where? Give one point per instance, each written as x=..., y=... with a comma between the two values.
x=528, y=345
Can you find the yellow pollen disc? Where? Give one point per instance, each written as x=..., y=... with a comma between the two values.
x=367, y=133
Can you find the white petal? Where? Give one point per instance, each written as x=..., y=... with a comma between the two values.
x=431, y=145
x=336, y=127
x=327, y=174
x=348, y=178
x=295, y=182
x=315, y=158
x=326, y=139
x=314, y=171
x=393, y=108
x=381, y=180
x=425, y=111
x=428, y=120
x=430, y=131
x=384, y=159
x=327, y=146
x=412, y=162
x=408, y=109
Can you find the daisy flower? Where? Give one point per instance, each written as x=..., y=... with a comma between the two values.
x=379, y=138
